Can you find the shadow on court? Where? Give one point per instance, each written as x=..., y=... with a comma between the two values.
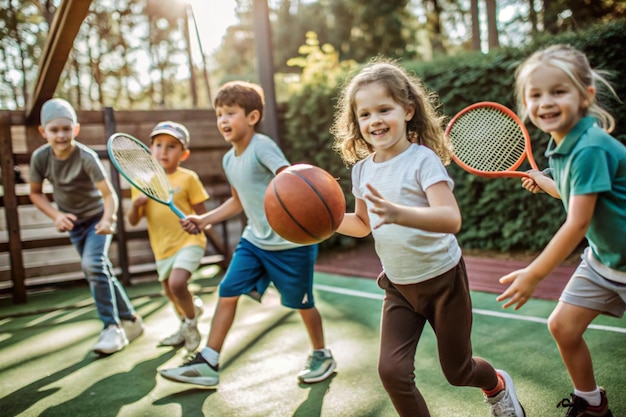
x=47, y=367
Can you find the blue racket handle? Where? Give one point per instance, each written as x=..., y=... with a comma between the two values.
x=177, y=211
x=181, y=215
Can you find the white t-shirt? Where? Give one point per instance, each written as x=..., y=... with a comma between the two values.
x=408, y=255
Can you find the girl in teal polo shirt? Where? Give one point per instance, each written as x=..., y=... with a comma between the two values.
x=556, y=90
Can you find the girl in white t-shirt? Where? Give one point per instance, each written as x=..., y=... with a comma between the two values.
x=388, y=127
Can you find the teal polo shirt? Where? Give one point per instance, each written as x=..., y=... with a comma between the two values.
x=590, y=161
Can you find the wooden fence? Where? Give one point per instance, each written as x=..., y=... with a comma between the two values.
x=32, y=253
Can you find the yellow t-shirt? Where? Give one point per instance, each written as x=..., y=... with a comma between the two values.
x=166, y=235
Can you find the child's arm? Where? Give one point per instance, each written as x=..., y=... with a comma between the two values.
x=199, y=208
x=62, y=221
x=356, y=224
x=107, y=224
x=524, y=281
x=540, y=181
x=441, y=216
x=134, y=215
x=229, y=208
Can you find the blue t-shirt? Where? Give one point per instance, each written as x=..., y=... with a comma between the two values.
x=590, y=161
x=249, y=174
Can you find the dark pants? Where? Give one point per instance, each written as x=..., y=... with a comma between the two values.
x=445, y=303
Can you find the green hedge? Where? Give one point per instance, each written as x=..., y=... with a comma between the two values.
x=498, y=214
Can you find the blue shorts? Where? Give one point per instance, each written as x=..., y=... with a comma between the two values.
x=251, y=270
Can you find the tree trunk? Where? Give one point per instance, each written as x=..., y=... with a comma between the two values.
x=475, y=25
x=550, y=17
x=532, y=16
x=492, y=24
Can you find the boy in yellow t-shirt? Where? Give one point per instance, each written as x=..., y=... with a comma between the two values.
x=177, y=252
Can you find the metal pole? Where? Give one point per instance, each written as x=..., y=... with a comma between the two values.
x=192, y=84
x=205, y=72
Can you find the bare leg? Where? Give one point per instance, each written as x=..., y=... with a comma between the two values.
x=168, y=293
x=567, y=324
x=313, y=323
x=178, y=287
x=222, y=322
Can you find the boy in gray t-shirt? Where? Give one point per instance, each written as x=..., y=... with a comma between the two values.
x=86, y=207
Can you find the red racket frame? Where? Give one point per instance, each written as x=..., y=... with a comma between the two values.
x=511, y=172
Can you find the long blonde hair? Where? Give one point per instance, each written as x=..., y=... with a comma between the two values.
x=576, y=65
x=424, y=128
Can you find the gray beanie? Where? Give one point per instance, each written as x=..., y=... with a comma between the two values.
x=57, y=108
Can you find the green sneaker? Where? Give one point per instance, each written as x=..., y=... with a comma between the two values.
x=195, y=371
x=318, y=368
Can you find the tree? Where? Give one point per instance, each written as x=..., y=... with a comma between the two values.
x=492, y=24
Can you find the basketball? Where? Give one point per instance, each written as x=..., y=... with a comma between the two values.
x=304, y=204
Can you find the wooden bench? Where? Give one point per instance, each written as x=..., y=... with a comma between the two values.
x=33, y=253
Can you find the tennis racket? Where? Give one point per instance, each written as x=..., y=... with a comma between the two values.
x=134, y=161
x=489, y=140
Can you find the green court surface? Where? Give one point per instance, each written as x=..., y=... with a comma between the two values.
x=47, y=368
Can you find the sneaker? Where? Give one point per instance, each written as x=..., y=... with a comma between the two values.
x=505, y=403
x=111, y=340
x=578, y=407
x=318, y=368
x=195, y=371
x=191, y=335
x=133, y=329
x=176, y=339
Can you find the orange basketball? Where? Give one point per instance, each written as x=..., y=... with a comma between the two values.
x=304, y=204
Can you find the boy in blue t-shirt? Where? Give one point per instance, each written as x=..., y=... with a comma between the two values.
x=261, y=256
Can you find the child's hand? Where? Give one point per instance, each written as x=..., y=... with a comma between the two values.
x=191, y=224
x=530, y=184
x=141, y=200
x=106, y=227
x=522, y=288
x=64, y=222
x=386, y=211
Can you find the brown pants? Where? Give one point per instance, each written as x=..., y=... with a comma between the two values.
x=445, y=303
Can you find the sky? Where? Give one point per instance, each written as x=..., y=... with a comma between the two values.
x=213, y=17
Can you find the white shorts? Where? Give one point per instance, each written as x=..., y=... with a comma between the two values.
x=188, y=258
x=588, y=289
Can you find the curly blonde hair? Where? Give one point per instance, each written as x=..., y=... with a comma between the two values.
x=424, y=128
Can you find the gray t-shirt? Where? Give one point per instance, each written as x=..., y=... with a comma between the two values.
x=249, y=174
x=73, y=179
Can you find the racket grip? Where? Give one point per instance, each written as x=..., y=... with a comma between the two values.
x=177, y=211
x=181, y=215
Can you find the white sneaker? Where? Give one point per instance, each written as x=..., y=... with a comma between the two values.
x=505, y=403
x=133, y=329
x=191, y=334
x=111, y=340
x=176, y=339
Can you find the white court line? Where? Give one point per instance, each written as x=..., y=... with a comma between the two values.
x=363, y=294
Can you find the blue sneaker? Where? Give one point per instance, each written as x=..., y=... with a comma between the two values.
x=195, y=371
